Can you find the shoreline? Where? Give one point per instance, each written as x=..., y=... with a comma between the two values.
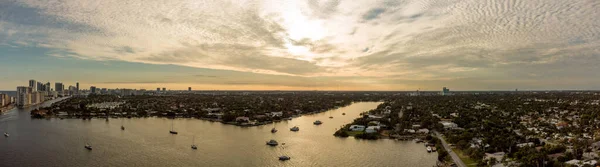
x=240, y=124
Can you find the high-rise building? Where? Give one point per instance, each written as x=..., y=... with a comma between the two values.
x=23, y=96
x=33, y=85
x=164, y=89
x=158, y=89
x=77, y=86
x=4, y=100
x=189, y=88
x=59, y=87
x=93, y=89
x=47, y=87
x=445, y=91
x=40, y=87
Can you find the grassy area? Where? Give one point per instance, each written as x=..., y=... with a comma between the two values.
x=352, y=133
x=466, y=159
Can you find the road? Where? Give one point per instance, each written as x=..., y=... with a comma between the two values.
x=455, y=157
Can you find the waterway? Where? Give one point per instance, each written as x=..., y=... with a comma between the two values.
x=147, y=142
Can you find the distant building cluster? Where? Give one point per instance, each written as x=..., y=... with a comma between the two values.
x=38, y=92
x=445, y=91
x=5, y=100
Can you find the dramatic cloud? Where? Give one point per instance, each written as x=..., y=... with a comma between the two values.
x=502, y=43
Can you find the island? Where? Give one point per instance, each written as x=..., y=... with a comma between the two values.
x=242, y=108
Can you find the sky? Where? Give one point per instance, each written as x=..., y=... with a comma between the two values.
x=401, y=45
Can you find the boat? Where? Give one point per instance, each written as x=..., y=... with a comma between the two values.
x=295, y=129
x=122, y=127
x=317, y=122
x=343, y=113
x=273, y=130
x=88, y=146
x=433, y=149
x=172, y=131
x=194, y=145
x=428, y=148
x=284, y=158
x=289, y=118
x=272, y=143
x=6, y=134
x=330, y=117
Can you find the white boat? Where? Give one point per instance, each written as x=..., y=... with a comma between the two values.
x=317, y=122
x=88, y=146
x=6, y=134
x=428, y=148
x=272, y=143
x=295, y=129
x=284, y=158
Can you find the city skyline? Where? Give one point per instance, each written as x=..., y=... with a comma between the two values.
x=302, y=45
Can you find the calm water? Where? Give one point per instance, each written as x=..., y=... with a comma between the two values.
x=147, y=142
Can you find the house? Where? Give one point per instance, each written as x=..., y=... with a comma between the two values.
x=454, y=114
x=525, y=144
x=357, y=128
x=276, y=114
x=375, y=123
x=416, y=126
x=498, y=156
x=372, y=129
x=581, y=163
x=242, y=119
x=424, y=131
x=409, y=130
x=449, y=125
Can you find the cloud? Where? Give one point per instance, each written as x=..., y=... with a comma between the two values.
x=373, y=13
x=426, y=40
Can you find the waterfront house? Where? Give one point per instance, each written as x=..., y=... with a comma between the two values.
x=357, y=128
x=372, y=129
x=242, y=119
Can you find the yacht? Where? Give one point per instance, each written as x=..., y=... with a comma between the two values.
x=6, y=134
x=272, y=143
x=88, y=146
x=428, y=148
x=284, y=158
x=295, y=129
x=273, y=130
x=317, y=122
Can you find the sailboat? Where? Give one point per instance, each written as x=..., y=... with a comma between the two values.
x=122, y=127
x=194, y=145
x=172, y=131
